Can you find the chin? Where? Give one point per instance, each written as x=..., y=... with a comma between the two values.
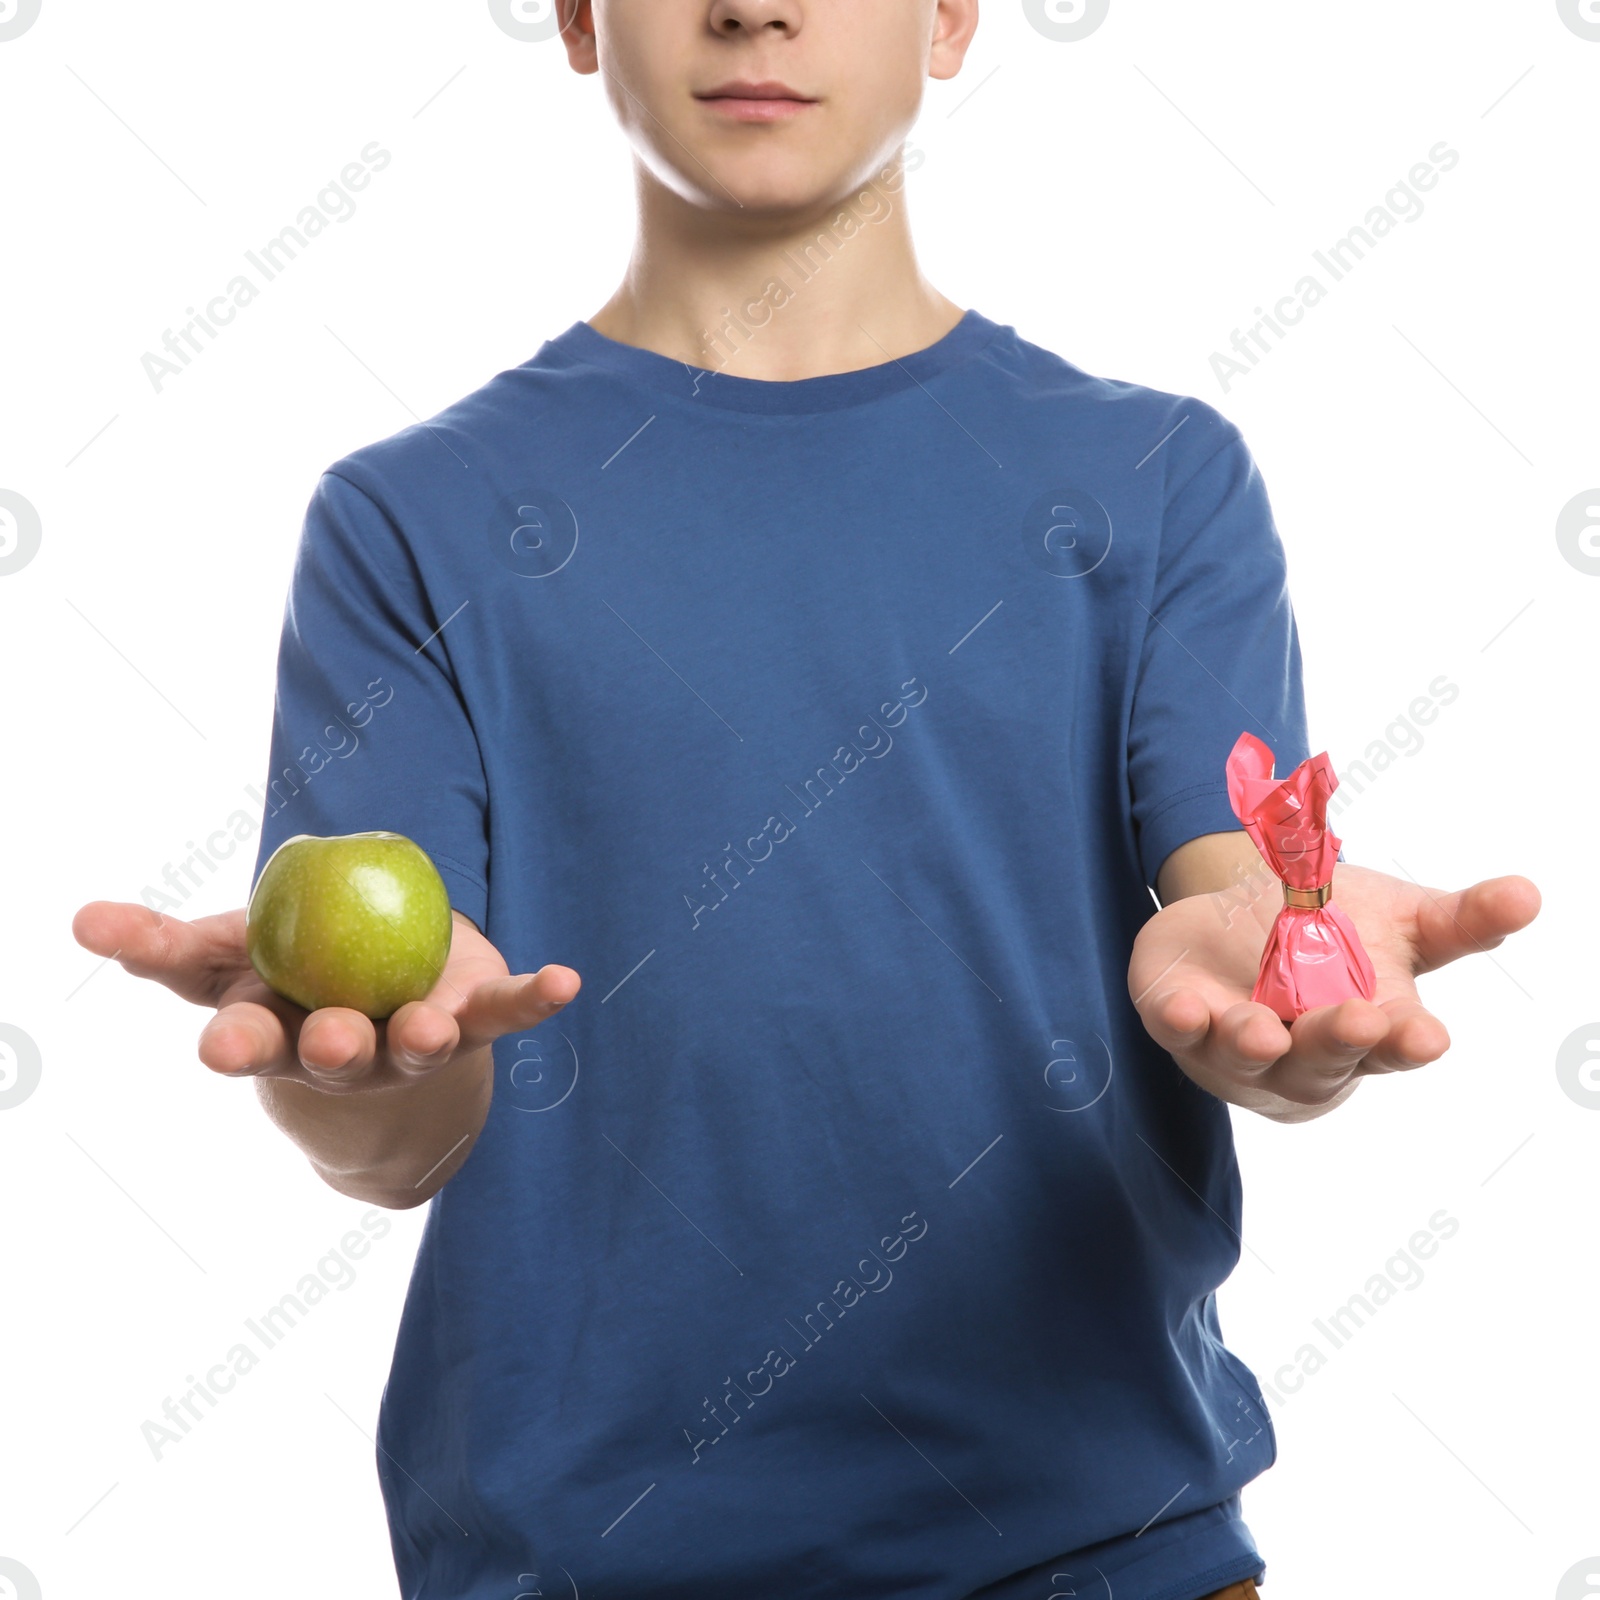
x=761, y=186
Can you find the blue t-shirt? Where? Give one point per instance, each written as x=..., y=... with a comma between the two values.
x=847, y=1235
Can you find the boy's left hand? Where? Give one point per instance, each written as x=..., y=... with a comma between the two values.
x=1195, y=962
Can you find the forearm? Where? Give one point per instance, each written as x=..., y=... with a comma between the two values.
x=1212, y=864
x=394, y=1147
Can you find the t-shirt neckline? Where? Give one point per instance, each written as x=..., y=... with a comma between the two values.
x=719, y=387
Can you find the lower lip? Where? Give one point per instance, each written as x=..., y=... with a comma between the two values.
x=758, y=110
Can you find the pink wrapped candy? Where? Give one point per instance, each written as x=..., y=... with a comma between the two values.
x=1313, y=955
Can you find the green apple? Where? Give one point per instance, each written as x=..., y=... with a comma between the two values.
x=360, y=920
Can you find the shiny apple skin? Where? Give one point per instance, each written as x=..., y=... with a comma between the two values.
x=358, y=919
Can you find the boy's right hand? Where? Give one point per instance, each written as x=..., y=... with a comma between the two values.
x=257, y=1033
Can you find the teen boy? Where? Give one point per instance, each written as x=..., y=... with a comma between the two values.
x=829, y=674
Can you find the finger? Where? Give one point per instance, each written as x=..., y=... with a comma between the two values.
x=1415, y=1037
x=190, y=958
x=1450, y=926
x=1328, y=1045
x=513, y=1005
x=1177, y=1020
x=244, y=1040
x=420, y=1037
x=1246, y=1040
x=337, y=1045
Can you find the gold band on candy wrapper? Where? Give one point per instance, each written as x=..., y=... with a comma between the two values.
x=1308, y=899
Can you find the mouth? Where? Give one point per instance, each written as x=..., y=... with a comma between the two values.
x=755, y=102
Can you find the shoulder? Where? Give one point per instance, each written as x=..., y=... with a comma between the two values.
x=521, y=411
x=1138, y=423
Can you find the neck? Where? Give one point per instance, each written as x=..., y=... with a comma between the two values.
x=776, y=298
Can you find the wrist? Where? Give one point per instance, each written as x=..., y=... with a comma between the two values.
x=396, y=1145
x=1290, y=1112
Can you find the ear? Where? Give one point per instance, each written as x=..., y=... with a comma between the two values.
x=955, y=22
x=577, y=33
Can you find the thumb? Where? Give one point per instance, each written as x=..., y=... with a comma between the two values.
x=1450, y=926
x=194, y=959
x=513, y=1005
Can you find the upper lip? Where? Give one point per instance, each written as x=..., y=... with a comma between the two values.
x=741, y=90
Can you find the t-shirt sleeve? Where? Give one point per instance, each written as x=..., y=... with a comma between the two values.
x=369, y=727
x=1221, y=654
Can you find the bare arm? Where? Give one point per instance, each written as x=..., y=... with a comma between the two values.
x=1211, y=864
x=385, y=1112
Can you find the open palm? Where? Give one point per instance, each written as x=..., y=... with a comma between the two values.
x=256, y=1033
x=1195, y=962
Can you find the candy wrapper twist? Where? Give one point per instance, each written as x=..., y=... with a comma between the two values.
x=1313, y=955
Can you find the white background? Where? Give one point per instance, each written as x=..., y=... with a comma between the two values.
x=1419, y=433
